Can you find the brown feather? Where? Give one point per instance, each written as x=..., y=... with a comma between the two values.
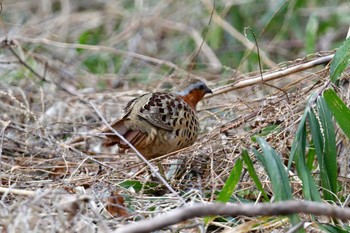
x=193, y=98
x=113, y=139
x=134, y=137
x=121, y=126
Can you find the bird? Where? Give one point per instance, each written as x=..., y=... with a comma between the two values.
x=158, y=123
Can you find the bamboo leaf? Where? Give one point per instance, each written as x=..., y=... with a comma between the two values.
x=299, y=144
x=312, y=27
x=339, y=110
x=310, y=190
x=330, y=152
x=275, y=169
x=231, y=182
x=323, y=137
x=340, y=60
x=250, y=168
x=277, y=173
x=229, y=187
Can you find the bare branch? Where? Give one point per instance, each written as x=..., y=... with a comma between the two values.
x=271, y=76
x=263, y=209
x=16, y=191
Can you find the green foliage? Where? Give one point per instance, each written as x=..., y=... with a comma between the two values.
x=339, y=110
x=323, y=137
x=312, y=27
x=329, y=148
x=333, y=229
x=310, y=158
x=98, y=63
x=92, y=37
x=215, y=37
x=231, y=182
x=229, y=186
x=340, y=61
x=323, y=140
x=277, y=173
x=149, y=187
x=314, y=138
x=101, y=63
x=297, y=155
x=286, y=24
x=273, y=128
x=250, y=168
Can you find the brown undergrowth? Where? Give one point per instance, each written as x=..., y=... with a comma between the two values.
x=38, y=126
x=52, y=181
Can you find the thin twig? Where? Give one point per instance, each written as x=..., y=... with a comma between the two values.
x=17, y=191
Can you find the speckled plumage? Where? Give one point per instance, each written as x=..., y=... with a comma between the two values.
x=159, y=123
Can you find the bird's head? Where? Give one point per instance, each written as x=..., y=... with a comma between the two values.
x=194, y=92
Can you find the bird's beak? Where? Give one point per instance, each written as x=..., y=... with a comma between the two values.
x=207, y=90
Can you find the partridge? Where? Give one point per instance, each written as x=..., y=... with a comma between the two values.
x=158, y=123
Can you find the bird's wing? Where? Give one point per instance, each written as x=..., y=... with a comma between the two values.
x=162, y=109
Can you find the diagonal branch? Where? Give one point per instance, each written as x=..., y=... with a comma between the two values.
x=271, y=76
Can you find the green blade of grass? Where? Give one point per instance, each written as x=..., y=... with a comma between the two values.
x=330, y=155
x=275, y=169
x=147, y=187
x=331, y=228
x=297, y=154
x=317, y=139
x=310, y=158
x=299, y=143
x=312, y=27
x=231, y=182
x=278, y=175
x=339, y=110
x=229, y=187
x=250, y=168
x=340, y=61
x=323, y=137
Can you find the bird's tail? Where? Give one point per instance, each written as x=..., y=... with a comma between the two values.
x=123, y=128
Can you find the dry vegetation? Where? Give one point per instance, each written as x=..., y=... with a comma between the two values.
x=61, y=58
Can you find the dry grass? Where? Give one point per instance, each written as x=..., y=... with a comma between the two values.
x=52, y=185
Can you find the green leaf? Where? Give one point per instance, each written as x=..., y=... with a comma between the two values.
x=148, y=188
x=323, y=137
x=275, y=169
x=331, y=228
x=215, y=37
x=229, y=187
x=277, y=173
x=250, y=168
x=231, y=182
x=330, y=152
x=340, y=61
x=297, y=154
x=310, y=158
x=311, y=34
x=269, y=129
x=97, y=63
x=299, y=143
x=339, y=110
